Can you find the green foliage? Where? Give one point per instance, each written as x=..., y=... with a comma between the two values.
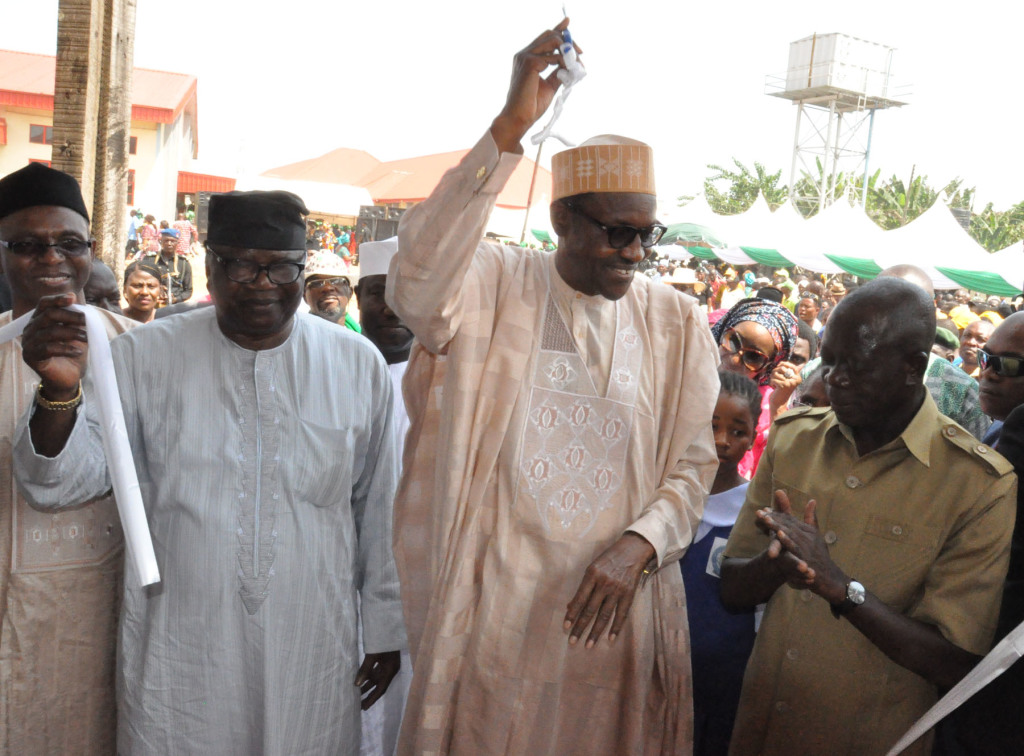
x=742, y=188
x=998, y=230
x=891, y=203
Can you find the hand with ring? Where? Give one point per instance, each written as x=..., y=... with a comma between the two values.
x=785, y=377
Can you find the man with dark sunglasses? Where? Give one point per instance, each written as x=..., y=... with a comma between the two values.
x=1001, y=362
x=268, y=486
x=990, y=721
x=561, y=461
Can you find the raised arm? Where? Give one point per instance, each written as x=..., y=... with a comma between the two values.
x=437, y=238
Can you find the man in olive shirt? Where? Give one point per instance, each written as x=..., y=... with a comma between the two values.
x=891, y=526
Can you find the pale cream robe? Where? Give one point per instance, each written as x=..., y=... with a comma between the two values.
x=554, y=423
x=60, y=593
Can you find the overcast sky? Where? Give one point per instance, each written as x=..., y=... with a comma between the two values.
x=286, y=81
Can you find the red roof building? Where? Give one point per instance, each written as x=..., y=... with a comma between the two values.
x=164, y=131
x=410, y=180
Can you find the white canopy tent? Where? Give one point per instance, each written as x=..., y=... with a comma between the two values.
x=843, y=238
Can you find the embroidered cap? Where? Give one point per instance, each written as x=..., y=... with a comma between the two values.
x=605, y=163
x=326, y=264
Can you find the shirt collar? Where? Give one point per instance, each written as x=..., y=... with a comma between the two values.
x=916, y=437
x=566, y=295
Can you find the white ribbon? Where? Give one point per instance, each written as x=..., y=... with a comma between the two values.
x=569, y=76
x=118, y=452
x=998, y=660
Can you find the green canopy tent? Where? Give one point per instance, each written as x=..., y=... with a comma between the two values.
x=690, y=232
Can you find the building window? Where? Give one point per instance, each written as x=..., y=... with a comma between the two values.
x=133, y=145
x=40, y=134
x=131, y=186
x=41, y=162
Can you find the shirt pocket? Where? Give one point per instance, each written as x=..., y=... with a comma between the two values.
x=327, y=465
x=897, y=554
x=797, y=498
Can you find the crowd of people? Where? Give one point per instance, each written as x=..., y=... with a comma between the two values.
x=532, y=502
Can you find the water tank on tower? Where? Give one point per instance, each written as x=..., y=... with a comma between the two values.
x=837, y=82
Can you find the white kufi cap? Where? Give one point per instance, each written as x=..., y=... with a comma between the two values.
x=375, y=257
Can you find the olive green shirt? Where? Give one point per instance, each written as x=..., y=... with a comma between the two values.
x=924, y=523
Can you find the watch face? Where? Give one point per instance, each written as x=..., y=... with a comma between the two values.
x=855, y=592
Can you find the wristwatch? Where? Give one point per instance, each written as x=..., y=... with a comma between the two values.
x=855, y=595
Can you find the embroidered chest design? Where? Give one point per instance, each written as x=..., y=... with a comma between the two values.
x=573, y=453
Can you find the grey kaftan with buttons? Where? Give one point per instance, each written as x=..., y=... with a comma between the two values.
x=268, y=479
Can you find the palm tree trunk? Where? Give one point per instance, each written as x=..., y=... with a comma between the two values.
x=92, y=111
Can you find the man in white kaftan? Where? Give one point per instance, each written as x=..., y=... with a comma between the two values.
x=60, y=572
x=562, y=447
x=380, y=325
x=268, y=490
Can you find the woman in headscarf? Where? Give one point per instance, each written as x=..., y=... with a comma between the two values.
x=142, y=290
x=755, y=338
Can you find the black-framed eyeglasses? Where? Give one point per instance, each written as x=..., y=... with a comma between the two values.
x=337, y=283
x=247, y=271
x=753, y=359
x=1007, y=367
x=620, y=237
x=70, y=247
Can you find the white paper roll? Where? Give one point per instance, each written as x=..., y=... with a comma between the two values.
x=998, y=660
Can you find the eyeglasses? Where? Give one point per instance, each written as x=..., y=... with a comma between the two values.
x=337, y=283
x=620, y=237
x=247, y=271
x=752, y=359
x=71, y=247
x=1007, y=367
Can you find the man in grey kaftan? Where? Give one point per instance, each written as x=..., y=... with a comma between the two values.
x=268, y=492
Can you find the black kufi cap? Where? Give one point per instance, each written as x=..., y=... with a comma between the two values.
x=36, y=185
x=258, y=220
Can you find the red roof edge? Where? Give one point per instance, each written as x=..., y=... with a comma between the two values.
x=26, y=100
x=191, y=183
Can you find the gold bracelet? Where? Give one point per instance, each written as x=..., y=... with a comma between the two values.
x=46, y=404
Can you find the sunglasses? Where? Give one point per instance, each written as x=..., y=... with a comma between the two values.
x=319, y=283
x=1007, y=367
x=620, y=237
x=753, y=359
x=70, y=247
